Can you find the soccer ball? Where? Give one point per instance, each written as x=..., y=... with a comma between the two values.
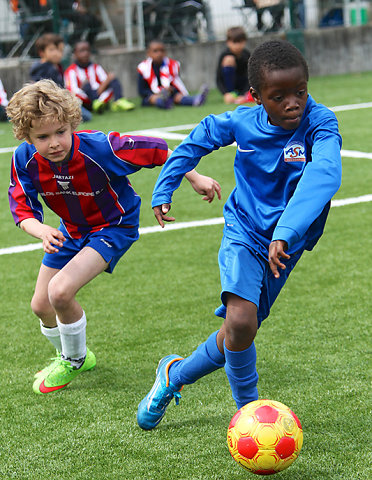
x=264, y=437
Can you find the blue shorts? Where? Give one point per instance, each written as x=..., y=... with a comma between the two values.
x=110, y=242
x=245, y=273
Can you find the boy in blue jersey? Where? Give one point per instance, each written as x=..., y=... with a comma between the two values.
x=82, y=177
x=287, y=168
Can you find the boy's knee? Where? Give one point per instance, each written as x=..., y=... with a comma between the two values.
x=228, y=61
x=59, y=293
x=241, y=319
x=40, y=307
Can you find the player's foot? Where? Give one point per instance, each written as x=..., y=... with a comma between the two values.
x=122, y=105
x=201, y=97
x=60, y=373
x=98, y=106
x=152, y=408
x=165, y=99
x=49, y=367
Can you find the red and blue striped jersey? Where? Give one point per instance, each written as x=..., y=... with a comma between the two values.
x=90, y=190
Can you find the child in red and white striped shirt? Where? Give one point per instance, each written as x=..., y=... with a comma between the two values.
x=96, y=88
x=159, y=82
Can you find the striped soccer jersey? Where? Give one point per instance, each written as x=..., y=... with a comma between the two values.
x=169, y=75
x=75, y=76
x=90, y=190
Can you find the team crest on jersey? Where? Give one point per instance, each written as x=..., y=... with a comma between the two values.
x=64, y=185
x=294, y=152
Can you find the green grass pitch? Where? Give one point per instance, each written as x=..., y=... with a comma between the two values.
x=312, y=350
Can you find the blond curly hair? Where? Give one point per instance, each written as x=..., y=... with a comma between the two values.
x=43, y=100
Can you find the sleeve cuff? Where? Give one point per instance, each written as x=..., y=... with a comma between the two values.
x=287, y=234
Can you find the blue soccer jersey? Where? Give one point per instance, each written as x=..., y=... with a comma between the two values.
x=285, y=179
x=90, y=190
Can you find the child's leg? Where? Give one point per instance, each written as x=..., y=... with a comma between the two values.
x=62, y=288
x=205, y=359
x=41, y=306
x=117, y=89
x=240, y=352
x=228, y=69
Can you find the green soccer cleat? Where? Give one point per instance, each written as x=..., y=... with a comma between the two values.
x=49, y=367
x=122, y=105
x=60, y=373
x=98, y=106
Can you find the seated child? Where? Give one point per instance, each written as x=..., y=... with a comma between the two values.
x=49, y=65
x=159, y=82
x=232, y=69
x=50, y=48
x=92, y=84
x=83, y=178
x=3, y=103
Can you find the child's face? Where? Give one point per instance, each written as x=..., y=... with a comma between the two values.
x=157, y=52
x=52, y=139
x=283, y=94
x=236, y=47
x=52, y=54
x=82, y=53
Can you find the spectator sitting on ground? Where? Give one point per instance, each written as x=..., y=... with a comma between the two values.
x=232, y=68
x=92, y=84
x=159, y=82
x=49, y=65
x=3, y=103
x=50, y=50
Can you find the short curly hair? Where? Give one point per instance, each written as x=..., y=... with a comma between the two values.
x=274, y=55
x=42, y=100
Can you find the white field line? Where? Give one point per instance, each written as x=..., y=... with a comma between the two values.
x=167, y=132
x=181, y=225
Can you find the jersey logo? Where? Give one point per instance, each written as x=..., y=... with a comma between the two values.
x=242, y=150
x=294, y=152
x=64, y=185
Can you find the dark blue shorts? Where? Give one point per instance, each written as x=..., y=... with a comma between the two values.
x=245, y=273
x=110, y=242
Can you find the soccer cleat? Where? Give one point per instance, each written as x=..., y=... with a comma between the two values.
x=50, y=366
x=98, y=106
x=201, y=98
x=152, y=408
x=60, y=373
x=122, y=105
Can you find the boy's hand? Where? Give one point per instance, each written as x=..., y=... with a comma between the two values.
x=51, y=238
x=204, y=185
x=276, y=251
x=160, y=213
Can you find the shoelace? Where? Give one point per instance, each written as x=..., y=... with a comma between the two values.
x=167, y=398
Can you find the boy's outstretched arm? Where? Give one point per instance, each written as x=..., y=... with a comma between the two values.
x=276, y=251
x=204, y=185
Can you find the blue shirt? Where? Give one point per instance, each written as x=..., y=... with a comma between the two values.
x=285, y=179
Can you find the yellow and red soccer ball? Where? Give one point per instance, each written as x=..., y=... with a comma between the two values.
x=265, y=437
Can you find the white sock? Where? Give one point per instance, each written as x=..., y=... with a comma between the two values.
x=52, y=334
x=73, y=339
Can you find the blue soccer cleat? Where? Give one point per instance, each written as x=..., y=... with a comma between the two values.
x=152, y=408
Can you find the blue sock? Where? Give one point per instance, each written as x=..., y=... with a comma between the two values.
x=241, y=371
x=229, y=74
x=188, y=100
x=205, y=359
